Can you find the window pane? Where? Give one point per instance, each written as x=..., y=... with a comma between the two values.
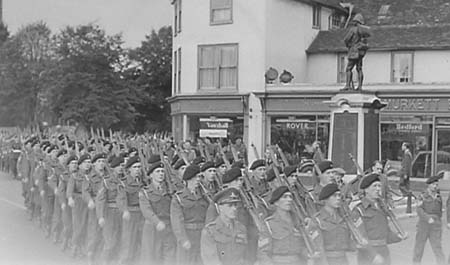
x=207, y=78
x=207, y=57
x=228, y=56
x=221, y=15
x=228, y=77
x=402, y=67
x=217, y=4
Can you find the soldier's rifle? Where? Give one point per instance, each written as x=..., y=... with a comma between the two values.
x=250, y=202
x=224, y=157
x=208, y=154
x=233, y=151
x=313, y=247
x=255, y=151
x=169, y=172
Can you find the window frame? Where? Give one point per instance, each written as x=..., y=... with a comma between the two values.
x=411, y=77
x=175, y=72
x=217, y=67
x=179, y=70
x=221, y=22
x=316, y=16
x=177, y=17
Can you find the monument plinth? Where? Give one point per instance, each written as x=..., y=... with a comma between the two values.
x=355, y=129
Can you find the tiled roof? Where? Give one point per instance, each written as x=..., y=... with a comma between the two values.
x=411, y=37
x=403, y=12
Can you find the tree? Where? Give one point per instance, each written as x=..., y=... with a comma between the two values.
x=4, y=33
x=152, y=74
x=87, y=84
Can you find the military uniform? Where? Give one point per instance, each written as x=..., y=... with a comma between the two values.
x=128, y=201
x=107, y=208
x=282, y=243
x=66, y=211
x=430, y=207
x=187, y=217
x=373, y=223
x=158, y=247
x=53, y=182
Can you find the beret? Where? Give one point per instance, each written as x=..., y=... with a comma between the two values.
x=325, y=165
x=116, y=161
x=131, y=161
x=238, y=164
x=154, y=159
x=71, y=158
x=258, y=163
x=433, y=179
x=229, y=195
x=270, y=174
x=61, y=152
x=52, y=147
x=368, y=180
x=154, y=166
x=35, y=142
x=231, y=175
x=191, y=171
x=198, y=160
x=328, y=190
x=44, y=144
x=219, y=162
x=132, y=149
x=83, y=158
x=179, y=164
x=289, y=170
x=98, y=156
x=277, y=193
x=61, y=137
x=339, y=171
x=90, y=149
x=207, y=166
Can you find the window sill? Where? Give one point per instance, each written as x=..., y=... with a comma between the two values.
x=218, y=23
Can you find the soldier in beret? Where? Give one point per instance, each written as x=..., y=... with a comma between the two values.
x=24, y=169
x=221, y=168
x=158, y=240
x=224, y=241
x=78, y=205
x=91, y=186
x=325, y=176
x=371, y=219
x=47, y=187
x=71, y=172
x=282, y=243
x=258, y=180
x=133, y=221
x=59, y=169
x=335, y=233
x=208, y=170
x=179, y=167
x=429, y=225
x=187, y=216
x=108, y=213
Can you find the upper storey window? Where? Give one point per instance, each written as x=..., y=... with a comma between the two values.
x=221, y=12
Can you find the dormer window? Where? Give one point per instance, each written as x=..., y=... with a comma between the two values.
x=221, y=12
x=316, y=17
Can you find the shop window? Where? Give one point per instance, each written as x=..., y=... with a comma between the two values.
x=221, y=12
x=215, y=127
x=419, y=135
x=218, y=67
x=402, y=67
x=296, y=136
x=316, y=17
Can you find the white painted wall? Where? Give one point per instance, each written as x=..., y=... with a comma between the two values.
x=289, y=34
x=322, y=68
x=431, y=67
x=247, y=29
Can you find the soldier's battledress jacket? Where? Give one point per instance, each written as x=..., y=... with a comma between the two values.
x=223, y=244
x=430, y=207
x=282, y=243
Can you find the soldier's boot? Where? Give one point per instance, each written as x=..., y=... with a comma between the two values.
x=65, y=245
x=348, y=80
x=360, y=80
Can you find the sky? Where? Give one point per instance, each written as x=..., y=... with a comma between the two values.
x=133, y=18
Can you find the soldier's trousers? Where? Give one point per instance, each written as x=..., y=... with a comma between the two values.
x=432, y=232
x=79, y=221
x=35, y=203
x=26, y=193
x=94, y=236
x=67, y=225
x=158, y=247
x=112, y=233
x=132, y=238
x=365, y=257
x=48, y=204
x=57, y=223
x=190, y=256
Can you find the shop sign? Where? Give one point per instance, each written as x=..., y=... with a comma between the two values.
x=296, y=124
x=213, y=127
x=409, y=127
x=417, y=104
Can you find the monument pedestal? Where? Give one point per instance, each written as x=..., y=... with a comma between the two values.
x=355, y=129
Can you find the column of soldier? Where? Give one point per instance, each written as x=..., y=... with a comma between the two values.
x=146, y=201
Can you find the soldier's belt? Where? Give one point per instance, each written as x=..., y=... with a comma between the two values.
x=111, y=205
x=134, y=208
x=335, y=254
x=377, y=242
x=285, y=258
x=194, y=226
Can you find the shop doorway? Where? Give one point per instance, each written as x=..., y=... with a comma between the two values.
x=442, y=154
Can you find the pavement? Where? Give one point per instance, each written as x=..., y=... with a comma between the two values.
x=22, y=242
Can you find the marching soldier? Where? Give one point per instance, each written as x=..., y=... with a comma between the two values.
x=258, y=180
x=133, y=221
x=24, y=169
x=335, y=233
x=221, y=168
x=370, y=217
x=108, y=213
x=209, y=173
x=429, y=225
x=91, y=186
x=282, y=243
x=158, y=241
x=224, y=241
x=48, y=186
x=180, y=167
x=78, y=205
x=325, y=176
x=56, y=175
x=187, y=216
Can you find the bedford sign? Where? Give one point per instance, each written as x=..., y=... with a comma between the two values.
x=214, y=128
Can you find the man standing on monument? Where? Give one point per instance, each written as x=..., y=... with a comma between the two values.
x=356, y=42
